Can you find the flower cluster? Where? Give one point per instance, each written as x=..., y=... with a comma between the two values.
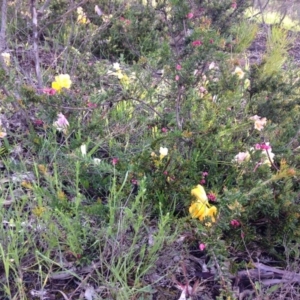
x=81, y=16
x=267, y=156
x=201, y=208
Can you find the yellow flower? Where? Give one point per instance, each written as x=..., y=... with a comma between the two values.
x=202, y=211
x=201, y=208
x=81, y=18
x=199, y=194
x=61, y=81
x=38, y=211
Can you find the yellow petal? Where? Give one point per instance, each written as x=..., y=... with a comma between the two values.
x=197, y=210
x=199, y=194
x=56, y=86
x=212, y=212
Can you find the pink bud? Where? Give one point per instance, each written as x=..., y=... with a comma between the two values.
x=204, y=174
x=190, y=15
x=177, y=77
x=164, y=130
x=211, y=197
x=178, y=67
x=196, y=43
x=202, y=246
x=202, y=181
x=235, y=223
x=114, y=161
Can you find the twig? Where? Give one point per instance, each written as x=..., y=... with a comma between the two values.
x=178, y=99
x=3, y=34
x=35, y=43
x=3, y=25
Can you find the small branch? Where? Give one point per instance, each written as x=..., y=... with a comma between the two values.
x=3, y=26
x=178, y=99
x=35, y=43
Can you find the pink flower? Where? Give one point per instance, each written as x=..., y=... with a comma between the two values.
x=211, y=197
x=211, y=41
x=177, y=77
x=61, y=123
x=165, y=173
x=134, y=181
x=178, y=67
x=204, y=174
x=190, y=15
x=202, y=89
x=164, y=130
x=114, y=161
x=48, y=91
x=196, y=43
x=234, y=5
x=38, y=122
x=235, y=223
x=202, y=181
x=91, y=105
x=202, y=246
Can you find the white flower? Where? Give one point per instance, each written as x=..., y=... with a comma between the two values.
x=97, y=161
x=116, y=66
x=83, y=150
x=163, y=151
x=268, y=156
x=241, y=157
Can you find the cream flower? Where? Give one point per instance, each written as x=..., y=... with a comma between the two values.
x=239, y=72
x=6, y=58
x=259, y=122
x=163, y=152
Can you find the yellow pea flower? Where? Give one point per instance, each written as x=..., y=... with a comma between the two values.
x=197, y=210
x=61, y=81
x=200, y=194
x=201, y=208
x=201, y=211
